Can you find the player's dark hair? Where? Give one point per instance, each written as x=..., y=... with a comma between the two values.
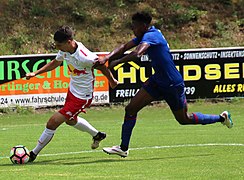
x=64, y=33
x=143, y=17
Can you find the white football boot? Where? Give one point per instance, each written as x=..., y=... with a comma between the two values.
x=117, y=151
x=228, y=121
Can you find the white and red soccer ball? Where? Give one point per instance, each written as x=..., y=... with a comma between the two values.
x=19, y=154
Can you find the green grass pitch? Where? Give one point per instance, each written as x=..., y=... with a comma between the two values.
x=160, y=148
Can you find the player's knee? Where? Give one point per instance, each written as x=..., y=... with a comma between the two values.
x=182, y=121
x=130, y=110
x=53, y=123
x=127, y=109
x=68, y=123
x=71, y=122
x=182, y=118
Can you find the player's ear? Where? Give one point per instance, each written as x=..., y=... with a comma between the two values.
x=143, y=26
x=146, y=26
x=69, y=41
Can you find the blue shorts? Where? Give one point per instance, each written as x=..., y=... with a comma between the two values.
x=173, y=95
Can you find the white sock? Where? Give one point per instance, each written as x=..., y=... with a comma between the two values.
x=85, y=126
x=45, y=138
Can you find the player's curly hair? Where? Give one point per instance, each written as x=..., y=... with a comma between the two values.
x=64, y=33
x=143, y=17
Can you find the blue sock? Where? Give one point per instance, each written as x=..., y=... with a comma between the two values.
x=199, y=118
x=127, y=127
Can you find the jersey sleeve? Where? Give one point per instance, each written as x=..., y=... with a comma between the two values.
x=88, y=60
x=60, y=56
x=85, y=56
x=150, y=38
x=136, y=41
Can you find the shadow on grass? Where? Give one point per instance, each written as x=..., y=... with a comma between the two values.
x=78, y=160
x=118, y=159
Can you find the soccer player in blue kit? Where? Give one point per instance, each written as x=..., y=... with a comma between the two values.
x=166, y=82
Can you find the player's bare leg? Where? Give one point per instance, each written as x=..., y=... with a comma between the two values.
x=53, y=123
x=140, y=100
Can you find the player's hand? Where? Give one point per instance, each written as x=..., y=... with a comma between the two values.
x=102, y=60
x=113, y=64
x=96, y=63
x=30, y=75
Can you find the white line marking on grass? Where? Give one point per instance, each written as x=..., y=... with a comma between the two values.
x=187, y=145
x=142, y=148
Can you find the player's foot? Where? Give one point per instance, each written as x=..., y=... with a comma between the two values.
x=228, y=121
x=117, y=151
x=97, y=139
x=32, y=157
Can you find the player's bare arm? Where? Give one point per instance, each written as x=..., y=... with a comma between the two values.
x=134, y=55
x=103, y=68
x=48, y=67
x=117, y=53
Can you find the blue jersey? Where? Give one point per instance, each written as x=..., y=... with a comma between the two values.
x=166, y=73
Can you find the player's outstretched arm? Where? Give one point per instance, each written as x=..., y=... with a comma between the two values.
x=117, y=52
x=106, y=72
x=48, y=67
x=134, y=55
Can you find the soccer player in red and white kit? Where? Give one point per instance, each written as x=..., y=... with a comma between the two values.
x=81, y=63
